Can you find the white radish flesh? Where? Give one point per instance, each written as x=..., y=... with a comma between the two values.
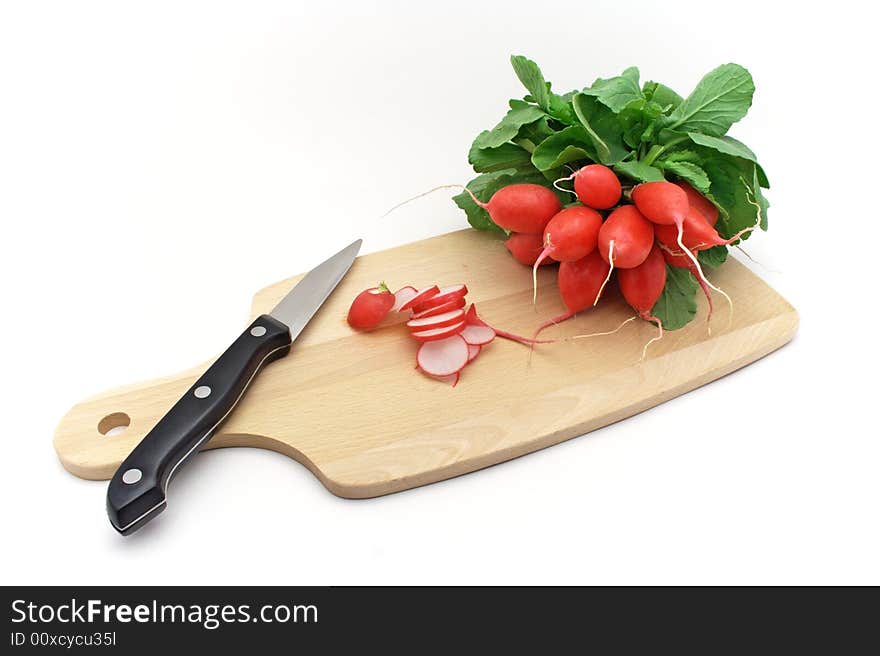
x=443, y=357
x=423, y=295
x=403, y=295
x=436, y=334
x=436, y=321
x=473, y=352
x=478, y=335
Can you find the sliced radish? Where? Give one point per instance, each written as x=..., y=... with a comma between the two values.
x=436, y=321
x=403, y=295
x=436, y=334
x=443, y=295
x=473, y=352
x=423, y=295
x=440, y=309
x=451, y=378
x=478, y=335
x=472, y=319
x=443, y=357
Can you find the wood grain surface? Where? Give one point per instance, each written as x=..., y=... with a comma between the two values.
x=352, y=408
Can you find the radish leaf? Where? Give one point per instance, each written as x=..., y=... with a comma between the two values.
x=617, y=92
x=639, y=171
x=520, y=114
x=677, y=304
x=721, y=98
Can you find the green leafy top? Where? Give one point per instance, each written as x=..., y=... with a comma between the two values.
x=644, y=132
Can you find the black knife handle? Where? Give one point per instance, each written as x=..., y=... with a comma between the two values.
x=137, y=490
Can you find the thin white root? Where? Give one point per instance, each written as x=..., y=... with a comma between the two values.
x=431, y=191
x=610, y=271
x=696, y=263
x=653, y=339
x=568, y=191
x=609, y=332
x=758, y=262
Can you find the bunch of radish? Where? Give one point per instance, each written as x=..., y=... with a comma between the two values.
x=450, y=336
x=665, y=222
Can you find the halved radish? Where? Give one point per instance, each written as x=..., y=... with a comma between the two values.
x=443, y=357
x=436, y=321
x=440, y=309
x=473, y=352
x=423, y=295
x=478, y=335
x=443, y=295
x=435, y=334
x=403, y=295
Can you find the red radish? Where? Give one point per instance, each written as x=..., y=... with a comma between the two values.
x=569, y=236
x=440, y=309
x=661, y=202
x=478, y=335
x=422, y=296
x=526, y=248
x=699, y=202
x=682, y=261
x=597, y=186
x=521, y=207
x=443, y=295
x=435, y=334
x=580, y=285
x=667, y=204
x=370, y=307
x=443, y=357
x=473, y=352
x=625, y=239
x=403, y=295
x=697, y=233
x=642, y=286
x=436, y=321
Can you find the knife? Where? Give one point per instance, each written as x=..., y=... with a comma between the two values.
x=137, y=491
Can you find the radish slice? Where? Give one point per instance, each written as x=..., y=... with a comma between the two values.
x=443, y=357
x=443, y=295
x=440, y=309
x=423, y=295
x=438, y=333
x=478, y=335
x=473, y=352
x=472, y=319
x=403, y=295
x=436, y=321
x=451, y=378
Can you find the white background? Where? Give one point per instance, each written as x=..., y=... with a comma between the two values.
x=159, y=162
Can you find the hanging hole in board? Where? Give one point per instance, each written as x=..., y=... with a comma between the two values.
x=113, y=424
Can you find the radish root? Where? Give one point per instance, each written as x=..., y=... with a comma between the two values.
x=650, y=317
x=568, y=191
x=610, y=271
x=540, y=259
x=608, y=332
x=700, y=275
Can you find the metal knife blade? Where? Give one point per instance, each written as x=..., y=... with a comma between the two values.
x=302, y=302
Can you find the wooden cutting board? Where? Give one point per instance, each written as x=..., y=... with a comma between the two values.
x=352, y=408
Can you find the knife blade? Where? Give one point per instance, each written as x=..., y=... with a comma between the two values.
x=138, y=490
